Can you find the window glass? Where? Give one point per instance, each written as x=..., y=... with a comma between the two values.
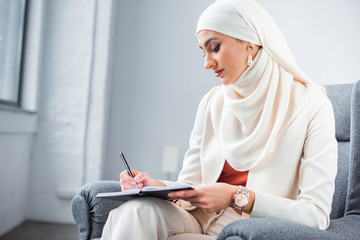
x=11, y=34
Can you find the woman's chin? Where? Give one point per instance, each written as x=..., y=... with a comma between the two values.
x=225, y=81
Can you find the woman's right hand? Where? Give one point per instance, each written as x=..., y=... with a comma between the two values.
x=140, y=180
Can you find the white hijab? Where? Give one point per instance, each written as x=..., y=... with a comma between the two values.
x=273, y=87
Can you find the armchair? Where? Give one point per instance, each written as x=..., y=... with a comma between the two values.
x=91, y=213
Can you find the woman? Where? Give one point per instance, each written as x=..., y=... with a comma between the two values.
x=263, y=143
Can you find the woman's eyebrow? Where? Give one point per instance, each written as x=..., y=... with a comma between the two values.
x=208, y=41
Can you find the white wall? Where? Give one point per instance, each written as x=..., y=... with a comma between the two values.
x=323, y=36
x=157, y=82
x=42, y=167
x=16, y=137
x=159, y=77
x=58, y=146
x=68, y=147
x=17, y=132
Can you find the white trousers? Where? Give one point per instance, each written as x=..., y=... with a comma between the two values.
x=157, y=219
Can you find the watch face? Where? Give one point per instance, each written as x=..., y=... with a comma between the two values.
x=241, y=200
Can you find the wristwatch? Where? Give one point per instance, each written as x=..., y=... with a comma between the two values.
x=241, y=198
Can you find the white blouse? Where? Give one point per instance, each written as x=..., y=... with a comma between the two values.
x=295, y=182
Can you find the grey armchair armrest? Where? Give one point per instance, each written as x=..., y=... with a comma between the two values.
x=346, y=227
x=91, y=213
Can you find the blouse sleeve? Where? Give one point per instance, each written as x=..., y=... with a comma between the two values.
x=317, y=172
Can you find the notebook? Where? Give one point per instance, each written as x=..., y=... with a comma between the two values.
x=150, y=191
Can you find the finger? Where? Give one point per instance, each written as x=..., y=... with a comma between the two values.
x=134, y=172
x=199, y=205
x=208, y=208
x=194, y=200
x=141, y=177
x=125, y=187
x=128, y=187
x=124, y=181
x=125, y=175
x=183, y=194
x=128, y=180
x=126, y=184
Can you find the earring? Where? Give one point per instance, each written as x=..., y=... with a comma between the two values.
x=250, y=60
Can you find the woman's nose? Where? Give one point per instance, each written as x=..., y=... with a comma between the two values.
x=209, y=62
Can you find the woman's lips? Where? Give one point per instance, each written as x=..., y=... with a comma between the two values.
x=219, y=72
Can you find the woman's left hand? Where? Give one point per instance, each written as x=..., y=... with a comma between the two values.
x=210, y=197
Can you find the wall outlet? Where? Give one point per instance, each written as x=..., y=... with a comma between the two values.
x=170, y=159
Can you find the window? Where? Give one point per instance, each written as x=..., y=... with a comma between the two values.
x=12, y=15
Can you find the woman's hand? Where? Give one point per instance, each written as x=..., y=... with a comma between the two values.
x=140, y=180
x=210, y=197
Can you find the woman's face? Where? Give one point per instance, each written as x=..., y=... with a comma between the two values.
x=225, y=55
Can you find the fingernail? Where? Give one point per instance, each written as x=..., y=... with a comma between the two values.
x=133, y=182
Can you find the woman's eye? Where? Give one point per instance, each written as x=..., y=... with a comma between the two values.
x=216, y=49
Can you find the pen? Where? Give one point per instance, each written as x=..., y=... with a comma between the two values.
x=126, y=166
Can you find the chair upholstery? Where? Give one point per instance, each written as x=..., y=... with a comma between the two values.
x=342, y=107
x=91, y=213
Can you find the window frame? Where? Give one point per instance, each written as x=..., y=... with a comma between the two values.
x=21, y=56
